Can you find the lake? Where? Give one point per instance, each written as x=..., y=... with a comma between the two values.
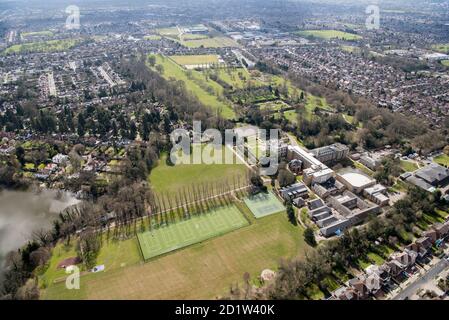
x=22, y=213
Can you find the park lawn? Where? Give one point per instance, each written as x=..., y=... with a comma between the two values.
x=237, y=77
x=201, y=271
x=192, y=79
x=170, y=179
x=445, y=63
x=443, y=47
x=195, y=59
x=442, y=159
x=215, y=42
x=329, y=34
x=408, y=166
x=44, y=46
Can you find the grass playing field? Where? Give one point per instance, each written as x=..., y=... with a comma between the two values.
x=44, y=46
x=195, y=59
x=201, y=271
x=329, y=34
x=196, y=83
x=171, y=179
x=264, y=204
x=196, y=229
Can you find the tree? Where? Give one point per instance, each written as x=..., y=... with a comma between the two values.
x=81, y=125
x=285, y=177
x=309, y=237
x=291, y=214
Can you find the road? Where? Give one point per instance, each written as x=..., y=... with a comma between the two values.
x=429, y=275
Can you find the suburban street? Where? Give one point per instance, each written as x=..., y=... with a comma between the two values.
x=428, y=276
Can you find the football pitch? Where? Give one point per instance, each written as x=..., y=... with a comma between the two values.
x=264, y=204
x=198, y=228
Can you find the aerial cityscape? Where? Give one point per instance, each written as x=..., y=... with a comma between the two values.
x=224, y=150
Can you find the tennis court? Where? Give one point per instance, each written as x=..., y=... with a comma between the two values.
x=264, y=204
x=184, y=233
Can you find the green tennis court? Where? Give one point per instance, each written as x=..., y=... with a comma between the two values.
x=264, y=204
x=182, y=234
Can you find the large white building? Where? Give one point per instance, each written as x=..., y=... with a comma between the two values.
x=315, y=171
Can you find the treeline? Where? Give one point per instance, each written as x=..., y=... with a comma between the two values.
x=296, y=277
x=372, y=127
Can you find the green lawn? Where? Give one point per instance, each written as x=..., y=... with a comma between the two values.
x=408, y=166
x=184, y=233
x=264, y=204
x=443, y=48
x=44, y=46
x=201, y=271
x=37, y=33
x=445, y=63
x=329, y=34
x=195, y=59
x=442, y=159
x=237, y=77
x=207, y=91
x=171, y=179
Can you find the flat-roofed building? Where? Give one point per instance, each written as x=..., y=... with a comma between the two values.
x=331, y=154
x=355, y=182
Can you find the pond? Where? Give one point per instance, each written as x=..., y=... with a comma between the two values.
x=22, y=213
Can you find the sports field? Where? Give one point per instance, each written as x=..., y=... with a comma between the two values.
x=201, y=271
x=44, y=46
x=206, y=91
x=166, y=179
x=329, y=34
x=196, y=229
x=264, y=204
x=195, y=59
